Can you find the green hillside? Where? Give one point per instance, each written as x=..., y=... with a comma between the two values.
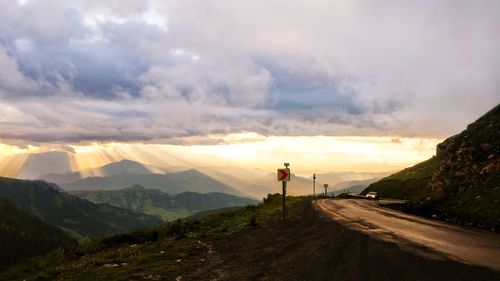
x=461, y=183
x=411, y=183
x=156, y=202
x=23, y=235
x=353, y=185
x=203, y=214
x=157, y=253
x=78, y=216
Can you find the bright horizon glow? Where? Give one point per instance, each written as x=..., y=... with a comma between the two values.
x=307, y=154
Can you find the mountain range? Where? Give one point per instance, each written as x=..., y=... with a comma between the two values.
x=156, y=202
x=190, y=180
x=58, y=167
x=232, y=180
x=121, y=167
x=259, y=183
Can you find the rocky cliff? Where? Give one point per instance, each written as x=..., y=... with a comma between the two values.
x=466, y=185
x=461, y=183
x=470, y=160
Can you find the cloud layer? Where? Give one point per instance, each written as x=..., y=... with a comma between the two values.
x=158, y=70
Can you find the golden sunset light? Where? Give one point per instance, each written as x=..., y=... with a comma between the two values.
x=248, y=150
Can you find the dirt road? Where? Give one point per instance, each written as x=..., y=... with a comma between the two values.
x=312, y=246
x=429, y=237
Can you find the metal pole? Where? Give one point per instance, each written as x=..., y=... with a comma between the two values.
x=284, y=191
x=284, y=199
x=314, y=185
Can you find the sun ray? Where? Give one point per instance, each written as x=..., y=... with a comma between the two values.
x=10, y=166
x=306, y=153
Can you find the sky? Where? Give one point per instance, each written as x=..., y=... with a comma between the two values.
x=189, y=75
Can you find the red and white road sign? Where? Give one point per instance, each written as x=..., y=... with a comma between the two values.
x=284, y=174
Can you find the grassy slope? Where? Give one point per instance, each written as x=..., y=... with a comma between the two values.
x=204, y=214
x=24, y=235
x=247, y=244
x=410, y=183
x=154, y=251
x=70, y=212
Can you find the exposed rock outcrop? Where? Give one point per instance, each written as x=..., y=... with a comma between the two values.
x=461, y=183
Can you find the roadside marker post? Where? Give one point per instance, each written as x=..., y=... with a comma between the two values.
x=326, y=189
x=314, y=185
x=283, y=177
x=284, y=199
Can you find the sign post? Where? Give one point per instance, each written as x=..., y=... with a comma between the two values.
x=326, y=189
x=283, y=177
x=314, y=185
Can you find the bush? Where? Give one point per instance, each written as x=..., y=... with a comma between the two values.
x=253, y=222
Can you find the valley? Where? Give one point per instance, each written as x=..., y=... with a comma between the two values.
x=157, y=203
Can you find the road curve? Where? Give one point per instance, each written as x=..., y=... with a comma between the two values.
x=428, y=237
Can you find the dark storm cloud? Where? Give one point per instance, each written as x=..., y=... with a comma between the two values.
x=157, y=70
x=100, y=68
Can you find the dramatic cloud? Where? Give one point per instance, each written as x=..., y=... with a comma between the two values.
x=160, y=70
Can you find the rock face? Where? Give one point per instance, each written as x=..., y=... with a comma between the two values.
x=471, y=159
x=466, y=185
x=461, y=183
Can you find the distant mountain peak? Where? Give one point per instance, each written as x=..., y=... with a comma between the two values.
x=121, y=167
x=190, y=180
x=125, y=161
x=191, y=171
x=124, y=166
x=135, y=187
